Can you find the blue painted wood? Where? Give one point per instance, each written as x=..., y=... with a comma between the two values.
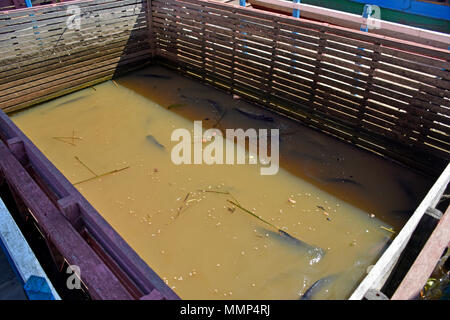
x=367, y=11
x=28, y=3
x=296, y=12
x=427, y=9
x=37, y=288
x=11, y=285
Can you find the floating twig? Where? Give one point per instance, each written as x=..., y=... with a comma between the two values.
x=78, y=159
x=176, y=105
x=102, y=175
x=76, y=138
x=387, y=229
x=251, y=213
x=115, y=83
x=184, y=203
x=280, y=232
x=72, y=138
x=61, y=139
x=221, y=192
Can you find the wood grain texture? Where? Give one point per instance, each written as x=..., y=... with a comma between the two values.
x=41, y=56
x=388, y=95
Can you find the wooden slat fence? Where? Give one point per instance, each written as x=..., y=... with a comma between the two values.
x=383, y=94
x=42, y=57
x=18, y=4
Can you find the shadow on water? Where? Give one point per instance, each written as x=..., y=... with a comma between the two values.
x=367, y=181
x=372, y=183
x=137, y=52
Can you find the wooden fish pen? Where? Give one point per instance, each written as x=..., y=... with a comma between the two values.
x=42, y=58
x=383, y=94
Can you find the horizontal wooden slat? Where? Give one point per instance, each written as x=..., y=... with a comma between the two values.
x=41, y=58
x=382, y=91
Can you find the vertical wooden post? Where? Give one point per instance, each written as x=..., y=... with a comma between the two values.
x=368, y=85
x=17, y=4
x=234, y=32
x=367, y=11
x=296, y=12
x=173, y=46
x=269, y=83
x=203, y=14
x=320, y=49
x=365, y=28
x=151, y=30
x=151, y=33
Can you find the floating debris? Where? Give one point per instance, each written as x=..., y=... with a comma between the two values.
x=84, y=165
x=184, y=204
x=96, y=175
x=232, y=210
x=323, y=210
x=176, y=105
x=286, y=237
x=73, y=138
x=62, y=139
x=387, y=229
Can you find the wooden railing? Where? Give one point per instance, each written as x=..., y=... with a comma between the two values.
x=387, y=95
x=353, y=21
x=18, y=4
x=52, y=50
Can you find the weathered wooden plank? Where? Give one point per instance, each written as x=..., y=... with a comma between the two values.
x=59, y=231
x=354, y=21
x=332, y=75
x=425, y=262
x=382, y=269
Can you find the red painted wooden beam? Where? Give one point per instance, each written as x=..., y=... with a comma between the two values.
x=97, y=277
x=426, y=261
x=134, y=274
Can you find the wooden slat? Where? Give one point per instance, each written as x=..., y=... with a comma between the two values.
x=42, y=59
x=382, y=269
x=379, y=86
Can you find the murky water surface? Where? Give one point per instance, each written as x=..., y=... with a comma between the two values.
x=332, y=202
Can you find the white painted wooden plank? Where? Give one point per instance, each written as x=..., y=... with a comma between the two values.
x=355, y=21
x=379, y=273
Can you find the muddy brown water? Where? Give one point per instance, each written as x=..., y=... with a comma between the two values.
x=336, y=199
